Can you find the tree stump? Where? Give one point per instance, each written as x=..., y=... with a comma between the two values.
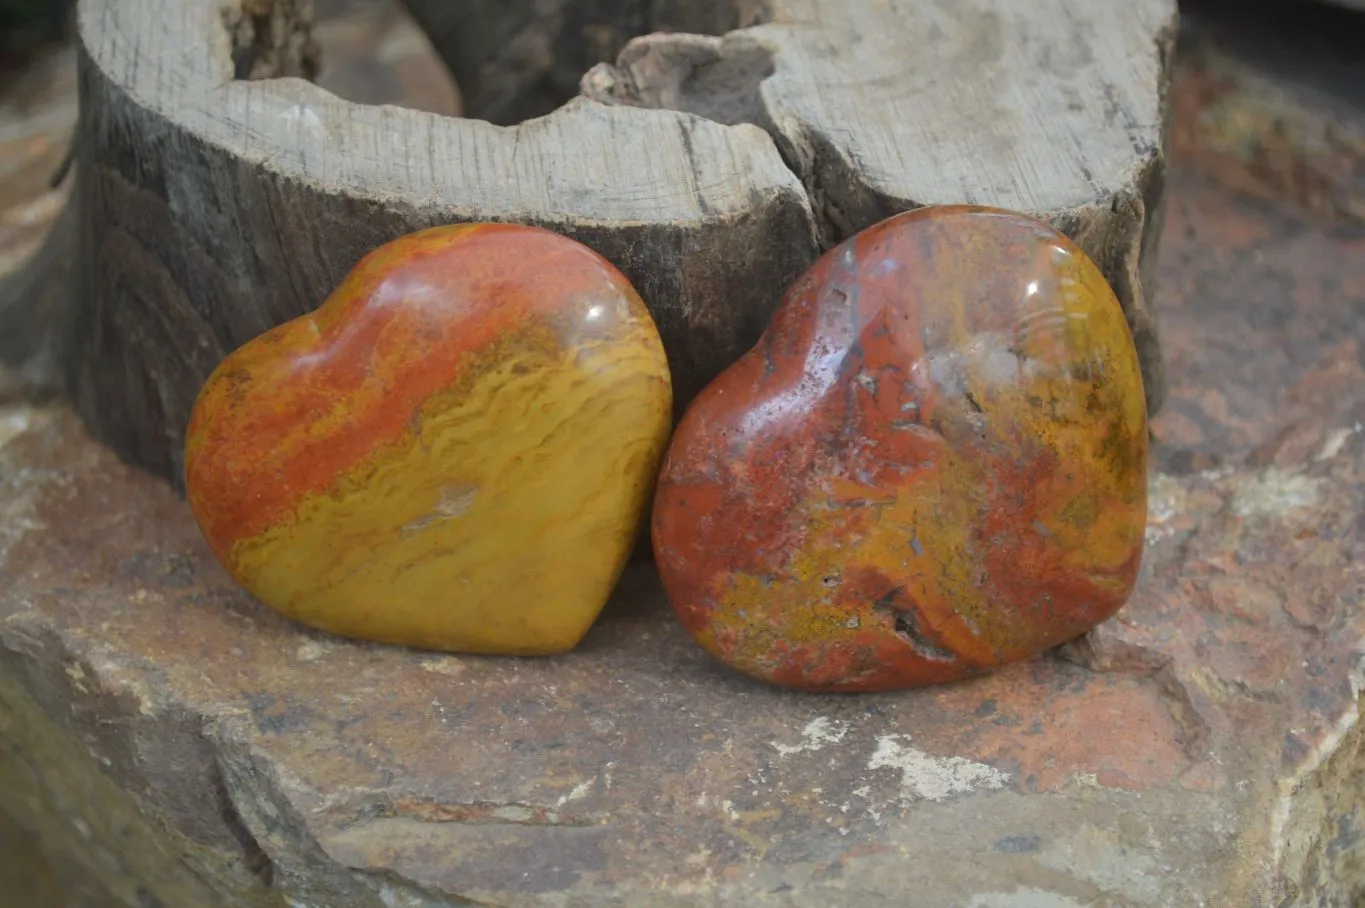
x=221, y=193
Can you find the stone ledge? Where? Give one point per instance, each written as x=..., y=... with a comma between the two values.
x=1204, y=748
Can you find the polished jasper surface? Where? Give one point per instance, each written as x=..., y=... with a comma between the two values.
x=933, y=463
x=455, y=451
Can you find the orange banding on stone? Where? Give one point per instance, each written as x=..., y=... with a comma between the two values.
x=455, y=451
x=933, y=462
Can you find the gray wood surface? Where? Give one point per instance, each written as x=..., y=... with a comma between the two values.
x=1047, y=106
x=710, y=169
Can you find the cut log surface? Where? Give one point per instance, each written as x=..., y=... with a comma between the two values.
x=221, y=193
x=1046, y=107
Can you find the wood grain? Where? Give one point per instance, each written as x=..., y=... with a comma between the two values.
x=214, y=209
x=711, y=169
x=1049, y=108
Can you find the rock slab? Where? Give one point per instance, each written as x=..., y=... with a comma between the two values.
x=167, y=735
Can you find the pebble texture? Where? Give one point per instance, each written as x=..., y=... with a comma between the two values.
x=456, y=451
x=934, y=462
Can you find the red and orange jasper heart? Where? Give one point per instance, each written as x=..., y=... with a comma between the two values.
x=932, y=463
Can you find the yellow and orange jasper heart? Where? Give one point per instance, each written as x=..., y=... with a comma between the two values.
x=456, y=451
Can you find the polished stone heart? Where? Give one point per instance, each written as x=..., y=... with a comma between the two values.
x=932, y=463
x=455, y=451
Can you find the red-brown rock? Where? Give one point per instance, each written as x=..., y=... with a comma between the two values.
x=932, y=463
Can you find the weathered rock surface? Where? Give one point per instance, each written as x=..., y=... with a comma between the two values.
x=164, y=732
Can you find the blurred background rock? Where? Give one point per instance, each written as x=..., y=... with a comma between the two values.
x=25, y=24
